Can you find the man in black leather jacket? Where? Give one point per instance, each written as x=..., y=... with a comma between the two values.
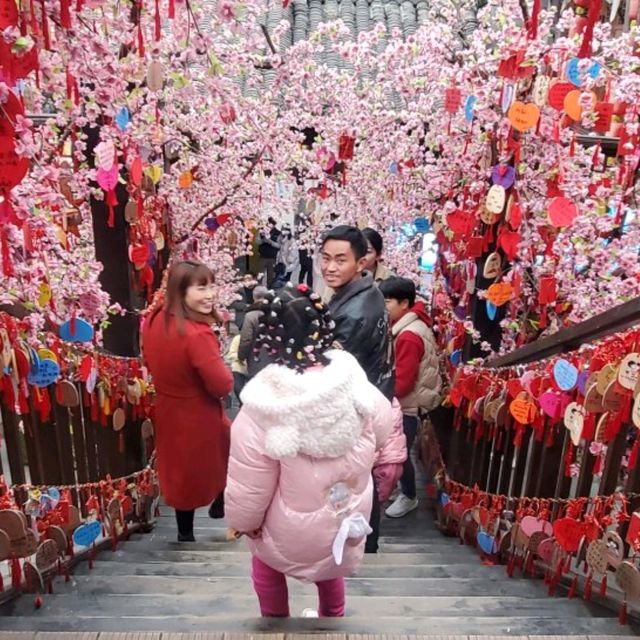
x=358, y=307
x=362, y=325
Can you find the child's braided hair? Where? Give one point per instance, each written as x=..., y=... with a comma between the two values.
x=296, y=328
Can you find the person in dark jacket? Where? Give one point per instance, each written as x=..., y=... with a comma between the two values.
x=362, y=322
x=249, y=334
x=357, y=306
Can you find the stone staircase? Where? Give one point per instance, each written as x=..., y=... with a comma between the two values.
x=421, y=583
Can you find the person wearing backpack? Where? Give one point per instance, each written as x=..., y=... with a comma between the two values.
x=418, y=383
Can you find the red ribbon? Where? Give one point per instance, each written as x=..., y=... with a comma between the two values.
x=45, y=26
x=533, y=23
x=65, y=15
x=592, y=18
x=157, y=21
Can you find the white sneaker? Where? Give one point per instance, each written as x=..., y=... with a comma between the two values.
x=401, y=506
x=310, y=613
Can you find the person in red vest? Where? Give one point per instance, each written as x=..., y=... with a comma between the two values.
x=418, y=384
x=191, y=380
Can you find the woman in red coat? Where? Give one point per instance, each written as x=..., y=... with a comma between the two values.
x=190, y=379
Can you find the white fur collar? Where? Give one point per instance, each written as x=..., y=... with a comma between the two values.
x=319, y=413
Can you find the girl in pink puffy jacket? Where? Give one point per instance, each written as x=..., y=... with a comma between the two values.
x=302, y=449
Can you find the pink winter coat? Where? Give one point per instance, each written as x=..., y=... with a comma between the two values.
x=389, y=462
x=302, y=450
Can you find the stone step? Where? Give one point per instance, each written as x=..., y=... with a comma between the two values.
x=133, y=584
x=371, y=624
x=240, y=569
x=138, y=555
x=220, y=604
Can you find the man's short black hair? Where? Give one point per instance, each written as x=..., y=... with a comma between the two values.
x=399, y=289
x=272, y=221
x=349, y=234
x=374, y=239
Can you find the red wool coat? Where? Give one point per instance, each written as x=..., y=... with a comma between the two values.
x=192, y=432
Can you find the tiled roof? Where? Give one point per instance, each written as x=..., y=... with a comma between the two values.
x=359, y=16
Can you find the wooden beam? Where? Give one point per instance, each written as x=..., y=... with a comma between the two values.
x=616, y=319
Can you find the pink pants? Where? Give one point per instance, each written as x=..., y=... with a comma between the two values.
x=271, y=587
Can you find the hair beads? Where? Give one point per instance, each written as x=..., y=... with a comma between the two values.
x=296, y=328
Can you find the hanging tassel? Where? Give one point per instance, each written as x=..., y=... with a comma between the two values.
x=596, y=156
x=112, y=202
x=7, y=263
x=172, y=9
x=533, y=23
x=592, y=18
x=37, y=602
x=45, y=26
x=572, y=147
x=140, y=41
x=1, y=583
x=633, y=456
x=158, y=24
x=603, y=586
x=65, y=15
x=16, y=574
x=573, y=588
x=587, y=588
x=622, y=618
x=511, y=565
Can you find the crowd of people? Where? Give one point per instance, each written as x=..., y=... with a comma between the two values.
x=332, y=383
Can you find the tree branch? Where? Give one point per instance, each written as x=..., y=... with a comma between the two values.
x=221, y=203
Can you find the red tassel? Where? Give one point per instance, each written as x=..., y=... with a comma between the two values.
x=16, y=574
x=587, y=588
x=37, y=602
x=511, y=565
x=1, y=583
x=157, y=21
x=592, y=18
x=7, y=263
x=112, y=201
x=573, y=588
x=172, y=9
x=65, y=15
x=533, y=24
x=622, y=618
x=603, y=586
x=633, y=456
x=572, y=147
x=49, y=587
x=140, y=41
x=45, y=26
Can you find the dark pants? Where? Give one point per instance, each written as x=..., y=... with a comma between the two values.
x=408, y=478
x=185, y=522
x=239, y=380
x=306, y=268
x=268, y=267
x=371, y=545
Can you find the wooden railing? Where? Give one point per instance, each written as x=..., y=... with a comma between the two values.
x=536, y=467
x=532, y=463
x=69, y=448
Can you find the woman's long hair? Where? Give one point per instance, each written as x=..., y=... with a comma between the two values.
x=183, y=275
